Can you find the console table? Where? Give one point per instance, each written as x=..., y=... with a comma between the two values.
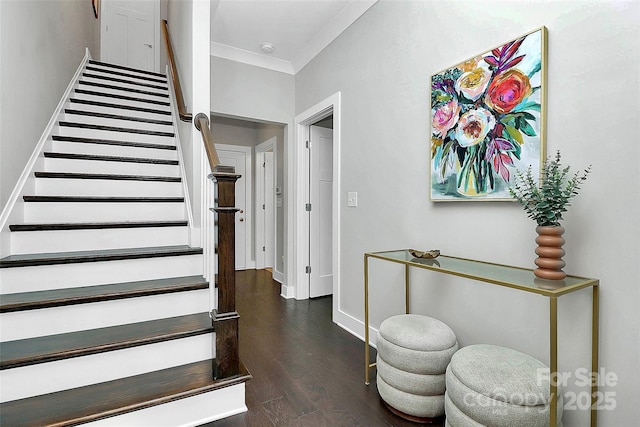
x=502, y=275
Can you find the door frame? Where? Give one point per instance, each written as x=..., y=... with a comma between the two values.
x=249, y=263
x=268, y=145
x=298, y=242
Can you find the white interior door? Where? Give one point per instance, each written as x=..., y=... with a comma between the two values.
x=269, y=211
x=265, y=204
x=128, y=33
x=240, y=158
x=320, y=216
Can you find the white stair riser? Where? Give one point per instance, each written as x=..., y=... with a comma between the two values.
x=106, y=187
x=52, y=212
x=46, y=277
x=100, y=98
x=131, y=75
x=104, y=121
x=119, y=90
x=113, y=150
x=116, y=136
x=119, y=111
x=52, y=164
x=27, y=381
x=58, y=320
x=189, y=412
x=32, y=242
x=158, y=88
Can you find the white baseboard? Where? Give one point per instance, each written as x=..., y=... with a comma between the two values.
x=355, y=327
x=287, y=292
x=278, y=277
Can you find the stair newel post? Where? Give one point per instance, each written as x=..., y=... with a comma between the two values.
x=225, y=317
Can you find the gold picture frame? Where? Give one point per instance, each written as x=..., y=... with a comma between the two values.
x=488, y=119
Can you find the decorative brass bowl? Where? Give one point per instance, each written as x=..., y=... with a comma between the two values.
x=434, y=253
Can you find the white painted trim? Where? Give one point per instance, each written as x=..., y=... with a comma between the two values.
x=194, y=232
x=268, y=145
x=10, y=211
x=297, y=239
x=341, y=22
x=277, y=276
x=355, y=327
x=249, y=263
x=187, y=412
x=251, y=58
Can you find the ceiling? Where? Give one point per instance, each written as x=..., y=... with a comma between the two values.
x=297, y=29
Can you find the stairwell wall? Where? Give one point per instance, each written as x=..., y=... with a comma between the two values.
x=41, y=44
x=382, y=65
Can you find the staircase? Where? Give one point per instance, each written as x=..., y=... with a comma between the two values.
x=104, y=311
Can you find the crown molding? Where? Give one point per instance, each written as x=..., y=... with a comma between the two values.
x=246, y=57
x=341, y=22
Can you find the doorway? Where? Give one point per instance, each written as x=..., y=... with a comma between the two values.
x=299, y=240
x=240, y=158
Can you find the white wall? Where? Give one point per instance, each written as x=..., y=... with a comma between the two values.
x=382, y=65
x=41, y=46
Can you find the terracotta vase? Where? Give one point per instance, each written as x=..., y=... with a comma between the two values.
x=550, y=253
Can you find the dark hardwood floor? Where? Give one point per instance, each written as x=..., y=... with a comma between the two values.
x=306, y=370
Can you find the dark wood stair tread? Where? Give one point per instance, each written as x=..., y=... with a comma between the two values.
x=122, y=88
x=94, y=402
x=118, y=73
x=115, y=129
x=51, y=348
x=87, y=294
x=123, y=107
x=118, y=117
x=73, y=175
x=95, y=225
x=96, y=157
x=130, y=82
x=27, y=260
x=122, y=67
x=124, y=97
x=101, y=141
x=98, y=199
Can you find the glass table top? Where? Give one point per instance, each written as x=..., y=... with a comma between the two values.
x=504, y=275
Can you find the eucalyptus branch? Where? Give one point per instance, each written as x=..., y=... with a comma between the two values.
x=545, y=200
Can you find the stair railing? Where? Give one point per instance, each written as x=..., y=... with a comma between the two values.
x=224, y=317
x=185, y=116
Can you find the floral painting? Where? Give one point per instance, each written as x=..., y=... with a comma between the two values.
x=487, y=120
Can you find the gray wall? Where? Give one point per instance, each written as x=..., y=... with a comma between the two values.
x=382, y=65
x=264, y=96
x=41, y=46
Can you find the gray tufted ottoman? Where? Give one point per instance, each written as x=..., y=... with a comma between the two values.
x=489, y=385
x=413, y=354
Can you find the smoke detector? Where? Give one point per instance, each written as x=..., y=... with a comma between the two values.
x=267, y=47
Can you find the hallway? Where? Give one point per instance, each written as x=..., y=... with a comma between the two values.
x=306, y=370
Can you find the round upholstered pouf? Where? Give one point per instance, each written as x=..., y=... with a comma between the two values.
x=413, y=354
x=489, y=385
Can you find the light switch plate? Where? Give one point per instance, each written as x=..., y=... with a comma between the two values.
x=352, y=199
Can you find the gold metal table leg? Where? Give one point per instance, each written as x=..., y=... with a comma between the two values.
x=406, y=288
x=553, y=350
x=595, y=319
x=366, y=319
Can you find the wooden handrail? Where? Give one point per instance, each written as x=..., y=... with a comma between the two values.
x=201, y=123
x=185, y=116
